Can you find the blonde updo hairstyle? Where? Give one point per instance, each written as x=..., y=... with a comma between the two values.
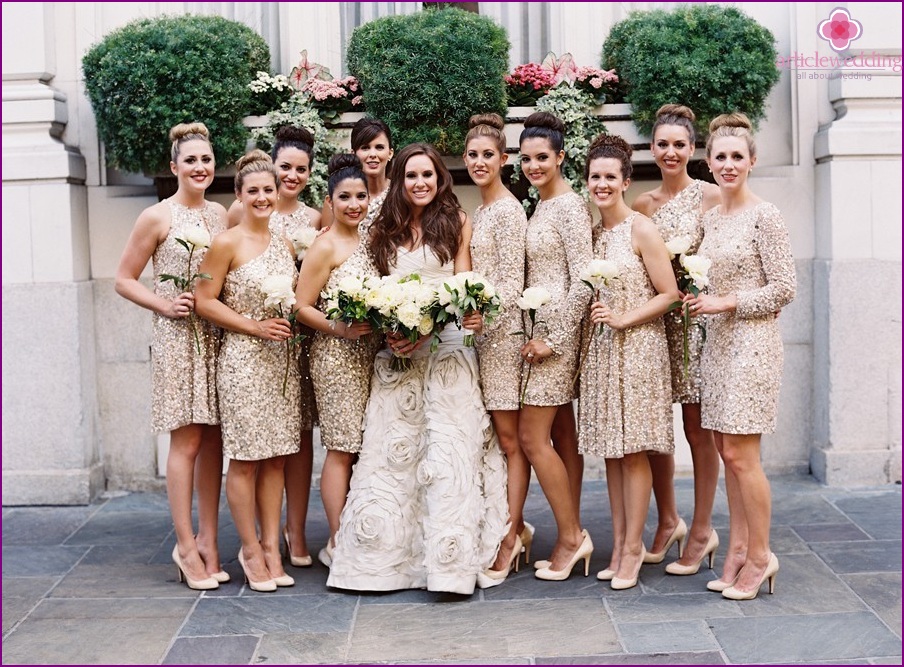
x=611, y=146
x=734, y=124
x=183, y=132
x=489, y=125
x=257, y=161
x=678, y=115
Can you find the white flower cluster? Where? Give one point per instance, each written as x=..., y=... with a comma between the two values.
x=599, y=272
x=265, y=82
x=278, y=293
x=533, y=298
x=301, y=239
x=453, y=291
x=407, y=302
x=678, y=246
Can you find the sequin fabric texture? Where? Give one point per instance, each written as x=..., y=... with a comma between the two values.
x=683, y=216
x=184, y=382
x=373, y=210
x=282, y=224
x=743, y=354
x=497, y=253
x=342, y=369
x=259, y=422
x=626, y=393
x=558, y=246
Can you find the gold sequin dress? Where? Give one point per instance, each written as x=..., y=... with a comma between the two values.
x=259, y=422
x=497, y=253
x=559, y=246
x=184, y=382
x=626, y=393
x=683, y=216
x=427, y=501
x=283, y=225
x=342, y=369
x=373, y=210
x=743, y=354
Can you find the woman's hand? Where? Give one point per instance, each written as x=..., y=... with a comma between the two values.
x=355, y=331
x=276, y=328
x=473, y=321
x=401, y=346
x=708, y=304
x=535, y=351
x=181, y=306
x=600, y=313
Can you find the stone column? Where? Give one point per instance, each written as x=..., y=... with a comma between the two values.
x=50, y=445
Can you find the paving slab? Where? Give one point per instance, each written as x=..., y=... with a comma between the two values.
x=122, y=581
x=851, y=557
x=107, y=528
x=688, y=658
x=881, y=591
x=40, y=561
x=667, y=637
x=830, y=532
x=263, y=613
x=20, y=595
x=43, y=525
x=231, y=650
x=649, y=607
x=302, y=648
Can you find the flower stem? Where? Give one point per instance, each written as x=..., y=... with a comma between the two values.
x=686, y=323
x=526, y=380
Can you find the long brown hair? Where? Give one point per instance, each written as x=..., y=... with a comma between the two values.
x=440, y=222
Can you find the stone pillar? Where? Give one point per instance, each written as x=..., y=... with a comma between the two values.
x=50, y=445
x=857, y=270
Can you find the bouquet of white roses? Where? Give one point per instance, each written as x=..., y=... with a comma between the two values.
x=691, y=273
x=531, y=300
x=597, y=274
x=280, y=297
x=195, y=237
x=405, y=307
x=464, y=293
x=347, y=302
x=301, y=239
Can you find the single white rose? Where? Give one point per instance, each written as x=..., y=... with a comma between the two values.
x=426, y=325
x=409, y=315
x=697, y=267
x=278, y=292
x=533, y=298
x=197, y=237
x=678, y=245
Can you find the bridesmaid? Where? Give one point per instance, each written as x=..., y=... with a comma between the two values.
x=625, y=411
x=676, y=208
x=558, y=248
x=497, y=253
x=752, y=277
x=184, y=380
x=293, y=155
x=260, y=410
x=339, y=350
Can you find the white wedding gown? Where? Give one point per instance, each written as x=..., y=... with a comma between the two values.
x=427, y=503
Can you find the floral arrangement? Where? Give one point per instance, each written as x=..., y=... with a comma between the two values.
x=597, y=274
x=598, y=83
x=333, y=97
x=531, y=81
x=269, y=92
x=527, y=83
x=464, y=293
x=195, y=237
x=348, y=301
x=279, y=296
x=691, y=272
x=531, y=300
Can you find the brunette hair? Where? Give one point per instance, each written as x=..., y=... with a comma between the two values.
x=487, y=125
x=183, y=132
x=610, y=145
x=289, y=136
x=440, y=222
x=368, y=129
x=256, y=161
x=341, y=167
x=731, y=125
x=544, y=125
x=675, y=114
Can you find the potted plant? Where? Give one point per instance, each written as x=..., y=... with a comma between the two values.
x=154, y=73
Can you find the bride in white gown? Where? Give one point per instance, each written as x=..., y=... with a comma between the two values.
x=427, y=501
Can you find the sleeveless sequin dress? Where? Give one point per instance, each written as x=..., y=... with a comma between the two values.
x=259, y=422
x=283, y=225
x=427, y=501
x=743, y=353
x=184, y=382
x=497, y=253
x=683, y=216
x=626, y=393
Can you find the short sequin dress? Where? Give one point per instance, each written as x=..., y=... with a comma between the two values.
x=259, y=422
x=427, y=500
x=683, y=216
x=497, y=253
x=283, y=225
x=184, y=381
x=743, y=354
x=342, y=369
x=626, y=393
x=559, y=246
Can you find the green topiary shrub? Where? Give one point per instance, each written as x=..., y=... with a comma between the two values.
x=425, y=74
x=154, y=73
x=712, y=58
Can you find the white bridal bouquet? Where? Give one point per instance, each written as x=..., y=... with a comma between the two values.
x=279, y=296
x=347, y=302
x=301, y=239
x=691, y=272
x=464, y=293
x=406, y=307
x=531, y=300
x=195, y=237
x=597, y=274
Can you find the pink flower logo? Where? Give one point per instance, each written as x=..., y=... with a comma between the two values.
x=840, y=29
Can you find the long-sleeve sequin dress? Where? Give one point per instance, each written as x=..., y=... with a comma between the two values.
x=626, y=393
x=342, y=369
x=559, y=246
x=184, y=382
x=259, y=422
x=497, y=253
x=683, y=216
x=282, y=225
x=743, y=354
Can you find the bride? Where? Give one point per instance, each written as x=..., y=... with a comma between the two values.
x=427, y=500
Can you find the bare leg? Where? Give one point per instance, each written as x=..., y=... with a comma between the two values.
x=663, y=471
x=615, y=487
x=506, y=425
x=565, y=441
x=185, y=445
x=269, y=492
x=736, y=555
x=534, y=429
x=637, y=486
x=241, y=480
x=334, y=483
x=208, y=482
x=298, y=491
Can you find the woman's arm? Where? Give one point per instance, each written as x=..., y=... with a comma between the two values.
x=774, y=248
x=234, y=215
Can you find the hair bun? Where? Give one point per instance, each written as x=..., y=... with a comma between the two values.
x=734, y=119
x=493, y=120
x=185, y=129
x=293, y=133
x=676, y=110
x=611, y=141
x=545, y=119
x=257, y=155
x=343, y=161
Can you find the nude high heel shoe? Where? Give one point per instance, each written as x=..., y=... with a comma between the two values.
x=221, y=577
x=709, y=550
x=267, y=586
x=527, y=539
x=489, y=578
x=326, y=554
x=297, y=561
x=769, y=573
x=678, y=535
x=584, y=552
x=623, y=584
x=717, y=585
x=207, y=584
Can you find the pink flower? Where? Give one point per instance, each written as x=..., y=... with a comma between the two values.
x=357, y=100
x=840, y=29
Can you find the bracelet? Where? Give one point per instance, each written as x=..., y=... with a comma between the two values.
x=548, y=343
